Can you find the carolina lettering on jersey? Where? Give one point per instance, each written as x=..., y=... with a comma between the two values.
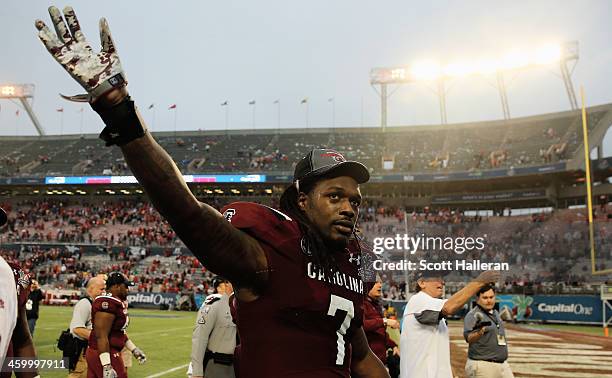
x=337, y=278
x=112, y=305
x=303, y=323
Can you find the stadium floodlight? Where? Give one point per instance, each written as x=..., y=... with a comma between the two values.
x=515, y=59
x=548, y=54
x=426, y=70
x=459, y=69
x=22, y=92
x=429, y=70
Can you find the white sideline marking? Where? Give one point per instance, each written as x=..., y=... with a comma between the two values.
x=167, y=371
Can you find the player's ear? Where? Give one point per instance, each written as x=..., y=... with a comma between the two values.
x=302, y=200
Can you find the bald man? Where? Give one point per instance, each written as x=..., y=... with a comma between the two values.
x=80, y=325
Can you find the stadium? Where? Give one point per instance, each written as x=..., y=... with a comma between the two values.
x=520, y=183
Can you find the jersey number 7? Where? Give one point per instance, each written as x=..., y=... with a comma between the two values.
x=338, y=303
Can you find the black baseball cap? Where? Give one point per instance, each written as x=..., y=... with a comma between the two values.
x=218, y=280
x=3, y=218
x=117, y=278
x=330, y=163
x=430, y=273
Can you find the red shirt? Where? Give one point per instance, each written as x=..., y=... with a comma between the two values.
x=375, y=330
x=303, y=323
x=117, y=336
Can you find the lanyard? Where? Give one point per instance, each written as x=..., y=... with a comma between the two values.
x=490, y=316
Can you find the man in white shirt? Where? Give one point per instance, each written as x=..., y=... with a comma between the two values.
x=424, y=341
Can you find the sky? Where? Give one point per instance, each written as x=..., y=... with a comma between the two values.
x=199, y=54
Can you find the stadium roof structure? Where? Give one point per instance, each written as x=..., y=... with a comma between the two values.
x=530, y=160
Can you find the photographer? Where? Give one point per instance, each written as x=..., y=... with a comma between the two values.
x=80, y=326
x=484, y=330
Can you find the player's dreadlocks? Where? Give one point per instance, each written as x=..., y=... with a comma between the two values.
x=315, y=244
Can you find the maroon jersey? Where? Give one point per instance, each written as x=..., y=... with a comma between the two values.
x=303, y=323
x=110, y=304
x=23, y=281
x=375, y=330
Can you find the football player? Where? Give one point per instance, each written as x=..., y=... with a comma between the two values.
x=296, y=272
x=15, y=338
x=110, y=320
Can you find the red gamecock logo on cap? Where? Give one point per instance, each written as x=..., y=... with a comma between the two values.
x=334, y=155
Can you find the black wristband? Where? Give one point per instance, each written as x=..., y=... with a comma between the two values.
x=123, y=123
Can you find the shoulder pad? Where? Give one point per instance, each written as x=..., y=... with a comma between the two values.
x=212, y=299
x=250, y=214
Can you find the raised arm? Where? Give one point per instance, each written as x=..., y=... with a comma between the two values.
x=221, y=248
x=460, y=298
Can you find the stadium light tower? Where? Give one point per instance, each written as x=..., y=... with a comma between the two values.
x=515, y=60
x=569, y=53
x=23, y=92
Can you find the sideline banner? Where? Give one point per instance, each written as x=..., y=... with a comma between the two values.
x=151, y=299
x=554, y=308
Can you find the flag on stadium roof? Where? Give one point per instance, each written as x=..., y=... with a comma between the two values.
x=331, y=99
x=224, y=103
x=276, y=102
x=252, y=102
x=173, y=106
x=59, y=110
x=151, y=106
x=17, y=113
x=304, y=100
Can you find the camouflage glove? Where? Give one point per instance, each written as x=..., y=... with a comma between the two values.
x=140, y=356
x=108, y=372
x=98, y=72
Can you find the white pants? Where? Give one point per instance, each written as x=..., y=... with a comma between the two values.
x=484, y=369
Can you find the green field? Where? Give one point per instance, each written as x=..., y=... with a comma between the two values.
x=164, y=336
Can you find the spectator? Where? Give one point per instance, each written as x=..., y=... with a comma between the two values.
x=33, y=305
x=424, y=344
x=375, y=327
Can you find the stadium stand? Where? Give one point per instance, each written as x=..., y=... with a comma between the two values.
x=548, y=251
x=433, y=148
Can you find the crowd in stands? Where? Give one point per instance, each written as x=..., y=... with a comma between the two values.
x=547, y=251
